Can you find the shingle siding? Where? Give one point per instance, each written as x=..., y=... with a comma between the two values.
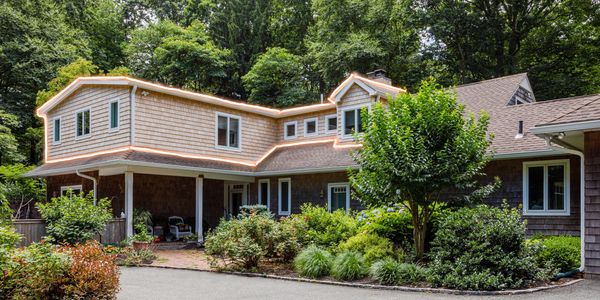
x=592, y=204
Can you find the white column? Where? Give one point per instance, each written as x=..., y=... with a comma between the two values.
x=129, y=204
x=199, y=207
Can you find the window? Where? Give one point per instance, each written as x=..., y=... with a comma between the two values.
x=331, y=123
x=338, y=196
x=70, y=190
x=310, y=127
x=352, y=120
x=228, y=131
x=56, y=131
x=82, y=123
x=264, y=193
x=113, y=115
x=546, y=187
x=285, y=196
x=289, y=130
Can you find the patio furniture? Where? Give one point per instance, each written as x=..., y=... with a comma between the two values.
x=178, y=228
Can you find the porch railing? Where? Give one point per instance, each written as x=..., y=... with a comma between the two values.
x=33, y=230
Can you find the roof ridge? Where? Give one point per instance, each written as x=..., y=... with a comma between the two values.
x=491, y=80
x=575, y=109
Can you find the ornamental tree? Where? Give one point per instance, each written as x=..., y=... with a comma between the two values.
x=415, y=148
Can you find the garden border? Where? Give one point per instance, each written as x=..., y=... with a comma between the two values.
x=378, y=286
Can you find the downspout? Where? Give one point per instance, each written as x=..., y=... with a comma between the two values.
x=90, y=178
x=549, y=140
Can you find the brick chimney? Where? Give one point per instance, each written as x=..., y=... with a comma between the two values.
x=379, y=75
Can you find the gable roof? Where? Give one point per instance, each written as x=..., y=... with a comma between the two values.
x=370, y=86
x=490, y=94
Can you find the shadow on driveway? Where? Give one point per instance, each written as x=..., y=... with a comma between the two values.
x=153, y=283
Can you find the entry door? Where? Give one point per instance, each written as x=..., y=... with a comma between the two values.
x=237, y=198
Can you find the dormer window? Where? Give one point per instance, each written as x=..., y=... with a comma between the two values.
x=351, y=121
x=521, y=96
x=228, y=131
x=289, y=130
x=331, y=123
x=310, y=127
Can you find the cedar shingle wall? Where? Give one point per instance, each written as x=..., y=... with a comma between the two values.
x=592, y=204
x=97, y=99
x=305, y=189
x=321, y=122
x=511, y=175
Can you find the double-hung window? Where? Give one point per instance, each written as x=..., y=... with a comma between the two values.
x=310, y=127
x=82, y=123
x=338, y=196
x=228, y=131
x=56, y=131
x=113, y=115
x=284, y=196
x=546, y=188
x=351, y=121
x=264, y=193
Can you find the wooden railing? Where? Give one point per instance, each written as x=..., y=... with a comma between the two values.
x=34, y=230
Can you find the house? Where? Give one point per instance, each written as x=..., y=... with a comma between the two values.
x=176, y=152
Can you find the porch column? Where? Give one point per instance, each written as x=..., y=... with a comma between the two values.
x=129, y=204
x=199, y=207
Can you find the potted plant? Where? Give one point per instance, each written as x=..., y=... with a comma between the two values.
x=141, y=239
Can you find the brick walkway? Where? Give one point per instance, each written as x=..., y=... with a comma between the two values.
x=183, y=258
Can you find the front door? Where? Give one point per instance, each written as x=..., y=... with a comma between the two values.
x=236, y=199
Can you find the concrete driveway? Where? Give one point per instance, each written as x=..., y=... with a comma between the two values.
x=153, y=283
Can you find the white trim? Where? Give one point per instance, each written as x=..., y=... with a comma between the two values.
x=526, y=154
x=127, y=81
x=114, y=129
x=327, y=130
x=128, y=204
x=83, y=135
x=316, y=120
x=567, y=188
x=199, y=208
x=229, y=117
x=573, y=126
x=290, y=137
x=348, y=85
x=55, y=142
x=358, y=109
x=71, y=187
x=132, y=115
x=289, y=199
x=258, y=200
x=338, y=184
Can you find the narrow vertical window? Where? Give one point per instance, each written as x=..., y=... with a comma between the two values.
x=56, y=131
x=114, y=115
x=83, y=126
x=285, y=196
x=228, y=131
x=264, y=193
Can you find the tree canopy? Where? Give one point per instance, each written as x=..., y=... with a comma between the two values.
x=212, y=45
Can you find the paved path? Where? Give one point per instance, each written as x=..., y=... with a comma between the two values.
x=153, y=283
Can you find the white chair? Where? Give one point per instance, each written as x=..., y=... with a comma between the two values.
x=178, y=228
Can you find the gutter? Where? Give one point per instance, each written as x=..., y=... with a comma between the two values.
x=90, y=178
x=549, y=141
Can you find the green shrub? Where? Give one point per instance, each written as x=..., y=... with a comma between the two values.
x=35, y=272
x=285, y=238
x=313, y=262
x=386, y=271
x=324, y=228
x=411, y=273
x=482, y=248
x=137, y=257
x=241, y=242
x=562, y=253
x=393, y=223
x=74, y=219
x=349, y=265
x=371, y=246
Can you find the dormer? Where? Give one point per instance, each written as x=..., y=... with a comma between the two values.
x=523, y=94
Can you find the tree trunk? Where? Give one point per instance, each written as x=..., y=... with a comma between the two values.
x=419, y=222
